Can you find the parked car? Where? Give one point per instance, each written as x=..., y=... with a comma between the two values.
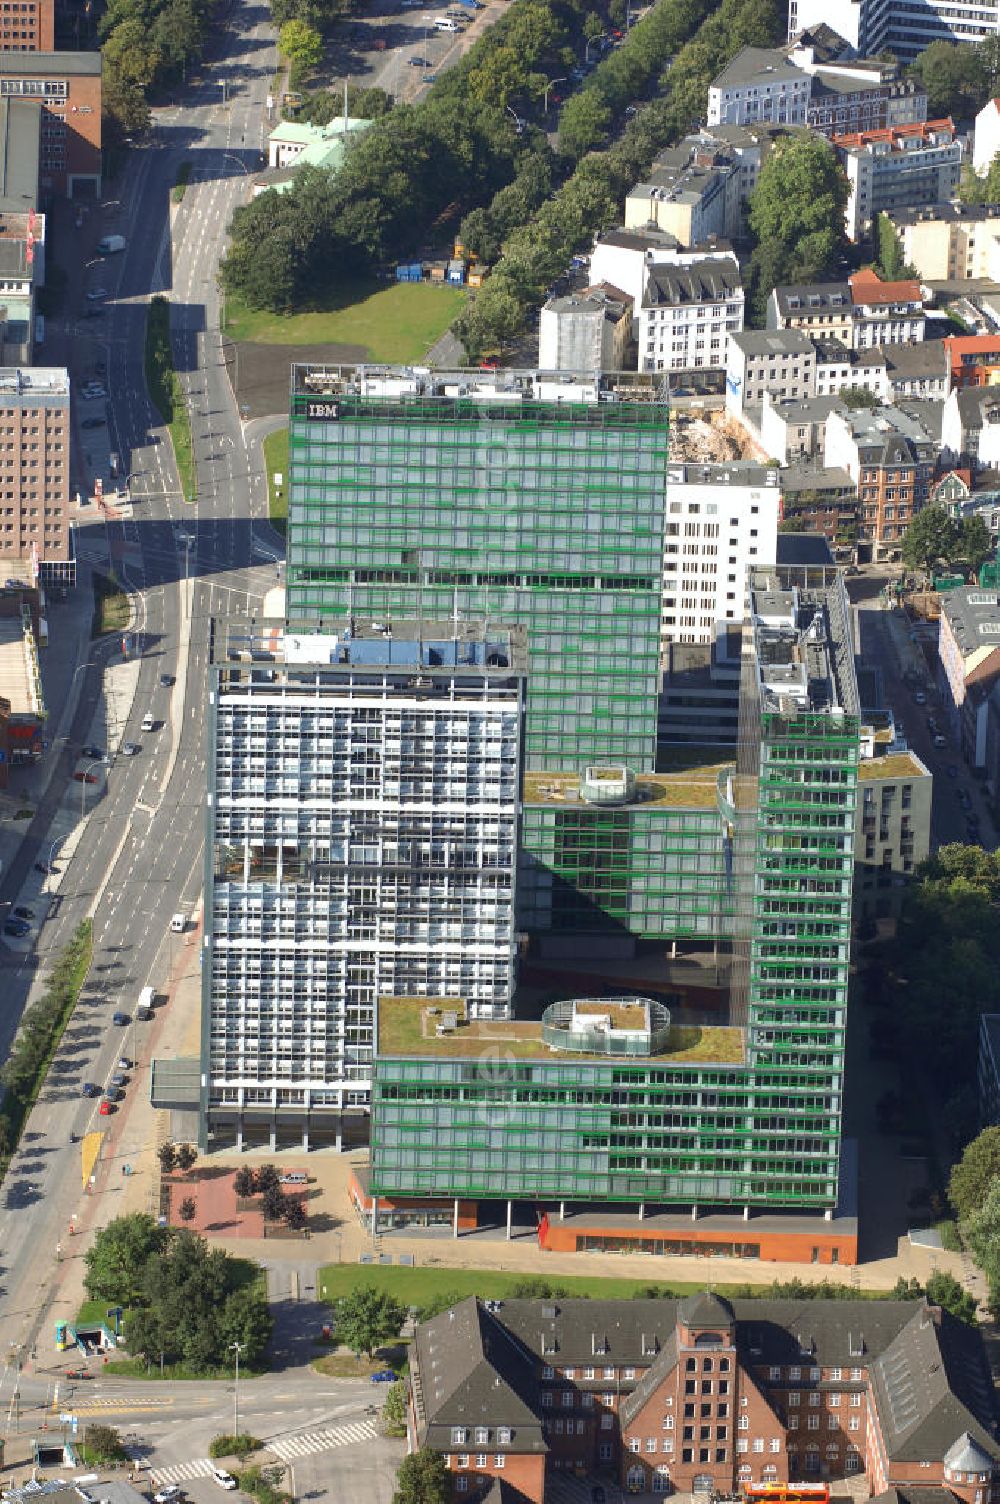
x=119, y=1081
x=90, y=1089
x=82, y=777
x=167, y=1494
x=920, y=698
x=384, y=1376
x=939, y=740
x=106, y=1109
x=130, y=749
x=97, y=753
x=78, y=1373
x=222, y=1478
x=46, y=868
x=124, y=1064
x=17, y=928
x=21, y=911
x=121, y=1019
x=419, y=62
x=166, y=681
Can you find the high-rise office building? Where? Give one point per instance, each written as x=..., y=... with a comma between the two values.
x=510, y=496
x=361, y=844
x=665, y=1109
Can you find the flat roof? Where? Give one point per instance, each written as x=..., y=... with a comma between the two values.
x=52, y=64
x=694, y=788
x=20, y=149
x=893, y=765
x=19, y=682
x=406, y=1028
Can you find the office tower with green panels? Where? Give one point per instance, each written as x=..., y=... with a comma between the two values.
x=510, y=495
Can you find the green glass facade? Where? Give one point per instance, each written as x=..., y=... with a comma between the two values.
x=656, y=872
x=410, y=499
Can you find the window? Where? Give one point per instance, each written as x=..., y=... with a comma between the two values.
x=793, y=1373
x=607, y=1421
x=856, y=1401
x=458, y=1435
x=813, y=1422
x=548, y=1372
x=775, y=1373
x=793, y=1423
x=794, y=1397
x=461, y=1485
x=567, y=1399
x=480, y=1459
x=743, y=1423
x=635, y=1445
x=609, y=1400
x=499, y=1460
x=482, y=1435
x=854, y=1423
x=503, y=1436
x=650, y=1443
x=547, y=1400
x=775, y=1444
x=609, y=1373
x=588, y=1373
x=742, y=1445
x=462, y=1460
x=814, y=1399
x=758, y=1443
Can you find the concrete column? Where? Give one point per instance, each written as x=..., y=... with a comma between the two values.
x=510, y=1210
x=239, y=1136
x=374, y=1216
x=828, y=1214
x=694, y=1214
x=305, y=1139
x=642, y=1210
x=339, y=1143
x=454, y=1225
x=274, y=1137
x=746, y=1214
x=562, y=1211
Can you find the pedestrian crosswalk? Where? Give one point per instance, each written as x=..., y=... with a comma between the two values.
x=290, y=1447
x=182, y=1472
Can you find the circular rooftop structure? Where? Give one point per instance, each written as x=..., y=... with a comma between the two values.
x=607, y=1026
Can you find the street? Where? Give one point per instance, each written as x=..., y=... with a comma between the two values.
x=139, y=857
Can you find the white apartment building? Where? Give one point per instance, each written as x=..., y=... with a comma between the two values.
x=986, y=137
x=781, y=362
x=759, y=86
x=687, y=314
x=902, y=27
x=901, y=167
x=721, y=520
x=361, y=843
x=886, y=313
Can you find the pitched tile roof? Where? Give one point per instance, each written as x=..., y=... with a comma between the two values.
x=931, y=1386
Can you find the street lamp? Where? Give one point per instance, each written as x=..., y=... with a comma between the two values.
x=237, y=1348
x=58, y=840
x=551, y=84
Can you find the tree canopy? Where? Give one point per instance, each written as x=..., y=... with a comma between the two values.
x=118, y=1256
x=367, y=1318
x=422, y=1479
x=956, y=77
x=932, y=537
x=300, y=43
x=797, y=215
x=974, y=1174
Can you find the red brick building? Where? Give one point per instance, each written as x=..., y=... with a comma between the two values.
x=705, y=1395
x=27, y=25
x=67, y=88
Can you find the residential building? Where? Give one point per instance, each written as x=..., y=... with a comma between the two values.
x=686, y=315
x=586, y=331
x=918, y=370
x=693, y=193
x=969, y=665
x=974, y=359
x=67, y=86
x=23, y=711
x=518, y=496
x=27, y=26
x=703, y=1394
x=781, y=824
x=823, y=311
x=970, y=427
x=759, y=86
x=893, y=830
x=291, y=140
x=986, y=137
x=781, y=363
x=796, y=430
x=748, y=147
x=620, y=258
x=863, y=97
x=885, y=313
x=898, y=168
x=34, y=472
x=951, y=242
x=890, y=456
x=824, y=501
x=989, y=1069
x=721, y=522
x=361, y=844
x=839, y=368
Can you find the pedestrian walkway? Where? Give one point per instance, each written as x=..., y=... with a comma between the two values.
x=182, y=1472
x=310, y=1442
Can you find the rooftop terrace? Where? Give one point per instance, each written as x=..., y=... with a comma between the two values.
x=692, y=788
x=407, y=1027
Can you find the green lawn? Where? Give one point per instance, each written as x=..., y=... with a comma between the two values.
x=414, y=1287
x=111, y=608
x=396, y=323
x=276, y=461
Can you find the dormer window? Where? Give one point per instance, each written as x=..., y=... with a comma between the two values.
x=459, y=1436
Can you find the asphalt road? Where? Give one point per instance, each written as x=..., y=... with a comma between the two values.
x=140, y=857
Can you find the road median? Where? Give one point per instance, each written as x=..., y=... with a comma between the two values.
x=166, y=394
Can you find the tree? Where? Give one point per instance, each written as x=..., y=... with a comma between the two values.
x=167, y=1155
x=983, y=1236
x=300, y=43
x=930, y=537
x=187, y=1209
x=117, y=1259
x=104, y=1444
x=366, y=1318
x=186, y=1156
x=422, y=1479
x=244, y=1182
x=797, y=215
x=955, y=78
x=394, y=1410
x=296, y=1216
x=945, y=1291
x=973, y=1176
x=583, y=124
x=273, y=1203
x=593, y=26
x=975, y=543
x=245, y=1318
x=267, y=1176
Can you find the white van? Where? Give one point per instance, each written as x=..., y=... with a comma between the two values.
x=444, y=24
x=147, y=721
x=179, y=924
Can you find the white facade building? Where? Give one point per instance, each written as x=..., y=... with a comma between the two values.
x=901, y=167
x=986, y=138
x=361, y=843
x=687, y=314
x=721, y=520
x=759, y=86
x=781, y=362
